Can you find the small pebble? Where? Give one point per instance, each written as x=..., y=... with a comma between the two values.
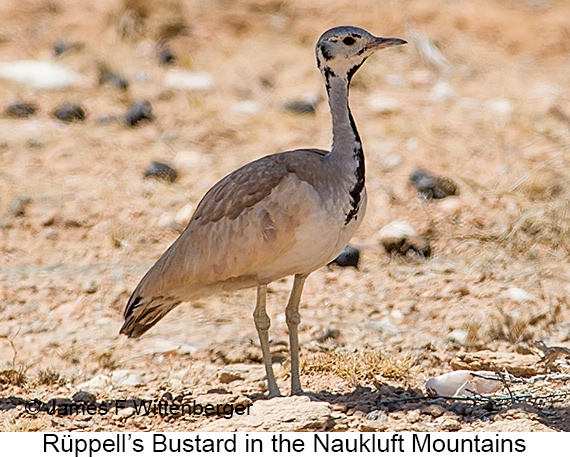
x=165, y=55
x=186, y=80
x=70, y=112
x=61, y=46
x=300, y=107
x=458, y=336
x=20, y=109
x=161, y=171
x=519, y=295
x=83, y=397
x=39, y=74
x=107, y=76
x=140, y=111
x=400, y=238
x=432, y=187
x=349, y=257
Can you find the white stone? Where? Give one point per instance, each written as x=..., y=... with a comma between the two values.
x=187, y=80
x=396, y=229
x=500, y=106
x=125, y=378
x=383, y=105
x=458, y=336
x=39, y=74
x=463, y=383
x=184, y=214
x=246, y=107
x=100, y=381
x=519, y=295
x=442, y=92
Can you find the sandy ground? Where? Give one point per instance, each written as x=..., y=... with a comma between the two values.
x=79, y=224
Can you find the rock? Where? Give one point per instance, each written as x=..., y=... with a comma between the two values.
x=84, y=397
x=442, y=92
x=90, y=287
x=97, y=383
x=124, y=413
x=161, y=171
x=70, y=112
x=167, y=221
x=513, y=363
x=246, y=107
x=186, y=80
x=463, y=383
x=349, y=257
x=18, y=205
x=500, y=106
x=39, y=74
x=106, y=76
x=300, y=107
x=62, y=46
x=400, y=238
x=519, y=295
x=377, y=415
x=20, y=109
x=184, y=215
x=139, y=112
x=458, y=336
x=286, y=414
x=431, y=187
x=383, y=105
x=243, y=371
x=433, y=410
x=125, y=378
x=165, y=55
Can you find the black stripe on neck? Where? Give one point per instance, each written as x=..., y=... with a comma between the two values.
x=356, y=191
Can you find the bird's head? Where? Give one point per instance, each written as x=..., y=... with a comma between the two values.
x=342, y=50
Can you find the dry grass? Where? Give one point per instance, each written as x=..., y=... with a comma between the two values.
x=358, y=366
x=14, y=377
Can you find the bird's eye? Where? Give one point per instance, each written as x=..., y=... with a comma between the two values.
x=349, y=41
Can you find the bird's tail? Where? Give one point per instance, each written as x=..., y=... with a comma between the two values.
x=141, y=313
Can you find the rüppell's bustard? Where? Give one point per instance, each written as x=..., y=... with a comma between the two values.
x=284, y=214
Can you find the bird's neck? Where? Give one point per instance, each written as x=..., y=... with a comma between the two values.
x=346, y=140
x=346, y=149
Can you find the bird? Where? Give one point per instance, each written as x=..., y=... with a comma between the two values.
x=285, y=214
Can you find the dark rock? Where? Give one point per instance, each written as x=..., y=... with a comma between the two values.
x=61, y=46
x=83, y=397
x=161, y=171
x=432, y=187
x=349, y=257
x=165, y=55
x=70, y=112
x=300, y=107
x=106, y=76
x=139, y=112
x=20, y=109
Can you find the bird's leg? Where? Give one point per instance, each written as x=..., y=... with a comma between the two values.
x=262, y=324
x=293, y=318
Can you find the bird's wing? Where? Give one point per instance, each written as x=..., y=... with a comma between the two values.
x=239, y=227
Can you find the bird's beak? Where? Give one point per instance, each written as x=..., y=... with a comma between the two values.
x=380, y=43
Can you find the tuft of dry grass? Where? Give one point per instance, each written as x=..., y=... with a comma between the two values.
x=14, y=377
x=50, y=377
x=511, y=327
x=358, y=366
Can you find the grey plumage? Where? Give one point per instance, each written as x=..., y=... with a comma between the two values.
x=284, y=214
